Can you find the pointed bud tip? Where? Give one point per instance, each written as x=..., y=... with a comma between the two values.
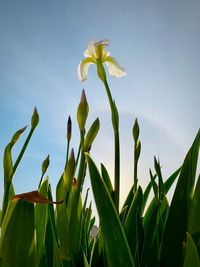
x=35, y=118
x=83, y=96
x=23, y=129
x=136, y=130
x=72, y=157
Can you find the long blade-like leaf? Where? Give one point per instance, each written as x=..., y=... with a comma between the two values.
x=17, y=237
x=191, y=255
x=116, y=245
x=177, y=220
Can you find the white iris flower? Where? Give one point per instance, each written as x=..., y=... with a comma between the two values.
x=96, y=52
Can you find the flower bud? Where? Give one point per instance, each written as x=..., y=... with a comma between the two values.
x=82, y=111
x=92, y=133
x=34, y=119
x=69, y=129
x=45, y=165
x=16, y=136
x=136, y=130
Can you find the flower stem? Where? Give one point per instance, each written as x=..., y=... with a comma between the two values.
x=115, y=123
x=135, y=171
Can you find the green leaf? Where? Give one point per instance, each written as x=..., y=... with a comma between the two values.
x=149, y=212
x=49, y=246
x=52, y=250
x=86, y=229
x=191, y=257
x=0, y=217
x=169, y=182
x=41, y=218
x=127, y=204
x=17, y=237
x=69, y=172
x=194, y=217
x=106, y=179
x=177, y=220
x=154, y=185
x=112, y=230
x=130, y=225
x=97, y=256
x=150, y=247
x=162, y=215
x=69, y=218
x=86, y=264
x=146, y=194
x=161, y=188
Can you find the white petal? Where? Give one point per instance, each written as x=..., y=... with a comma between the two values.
x=100, y=48
x=114, y=68
x=90, y=51
x=102, y=42
x=83, y=68
x=97, y=49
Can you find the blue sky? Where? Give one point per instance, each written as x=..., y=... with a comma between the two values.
x=42, y=43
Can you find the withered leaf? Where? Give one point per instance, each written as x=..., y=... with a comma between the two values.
x=35, y=197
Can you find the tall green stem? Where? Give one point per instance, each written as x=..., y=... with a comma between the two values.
x=23, y=150
x=115, y=123
x=135, y=171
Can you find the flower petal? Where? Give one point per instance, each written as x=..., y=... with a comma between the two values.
x=102, y=42
x=97, y=49
x=90, y=51
x=114, y=68
x=83, y=68
x=100, y=48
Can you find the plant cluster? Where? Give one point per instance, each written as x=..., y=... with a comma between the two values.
x=36, y=231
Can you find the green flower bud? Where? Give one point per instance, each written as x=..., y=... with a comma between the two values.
x=136, y=130
x=69, y=129
x=34, y=119
x=8, y=164
x=45, y=165
x=92, y=133
x=82, y=111
x=16, y=136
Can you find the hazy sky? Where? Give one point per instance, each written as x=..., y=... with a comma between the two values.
x=41, y=45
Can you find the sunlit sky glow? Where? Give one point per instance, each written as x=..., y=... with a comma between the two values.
x=42, y=43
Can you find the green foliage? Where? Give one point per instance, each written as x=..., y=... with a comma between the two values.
x=116, y=245
x=145, y=233
x=17, y=244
